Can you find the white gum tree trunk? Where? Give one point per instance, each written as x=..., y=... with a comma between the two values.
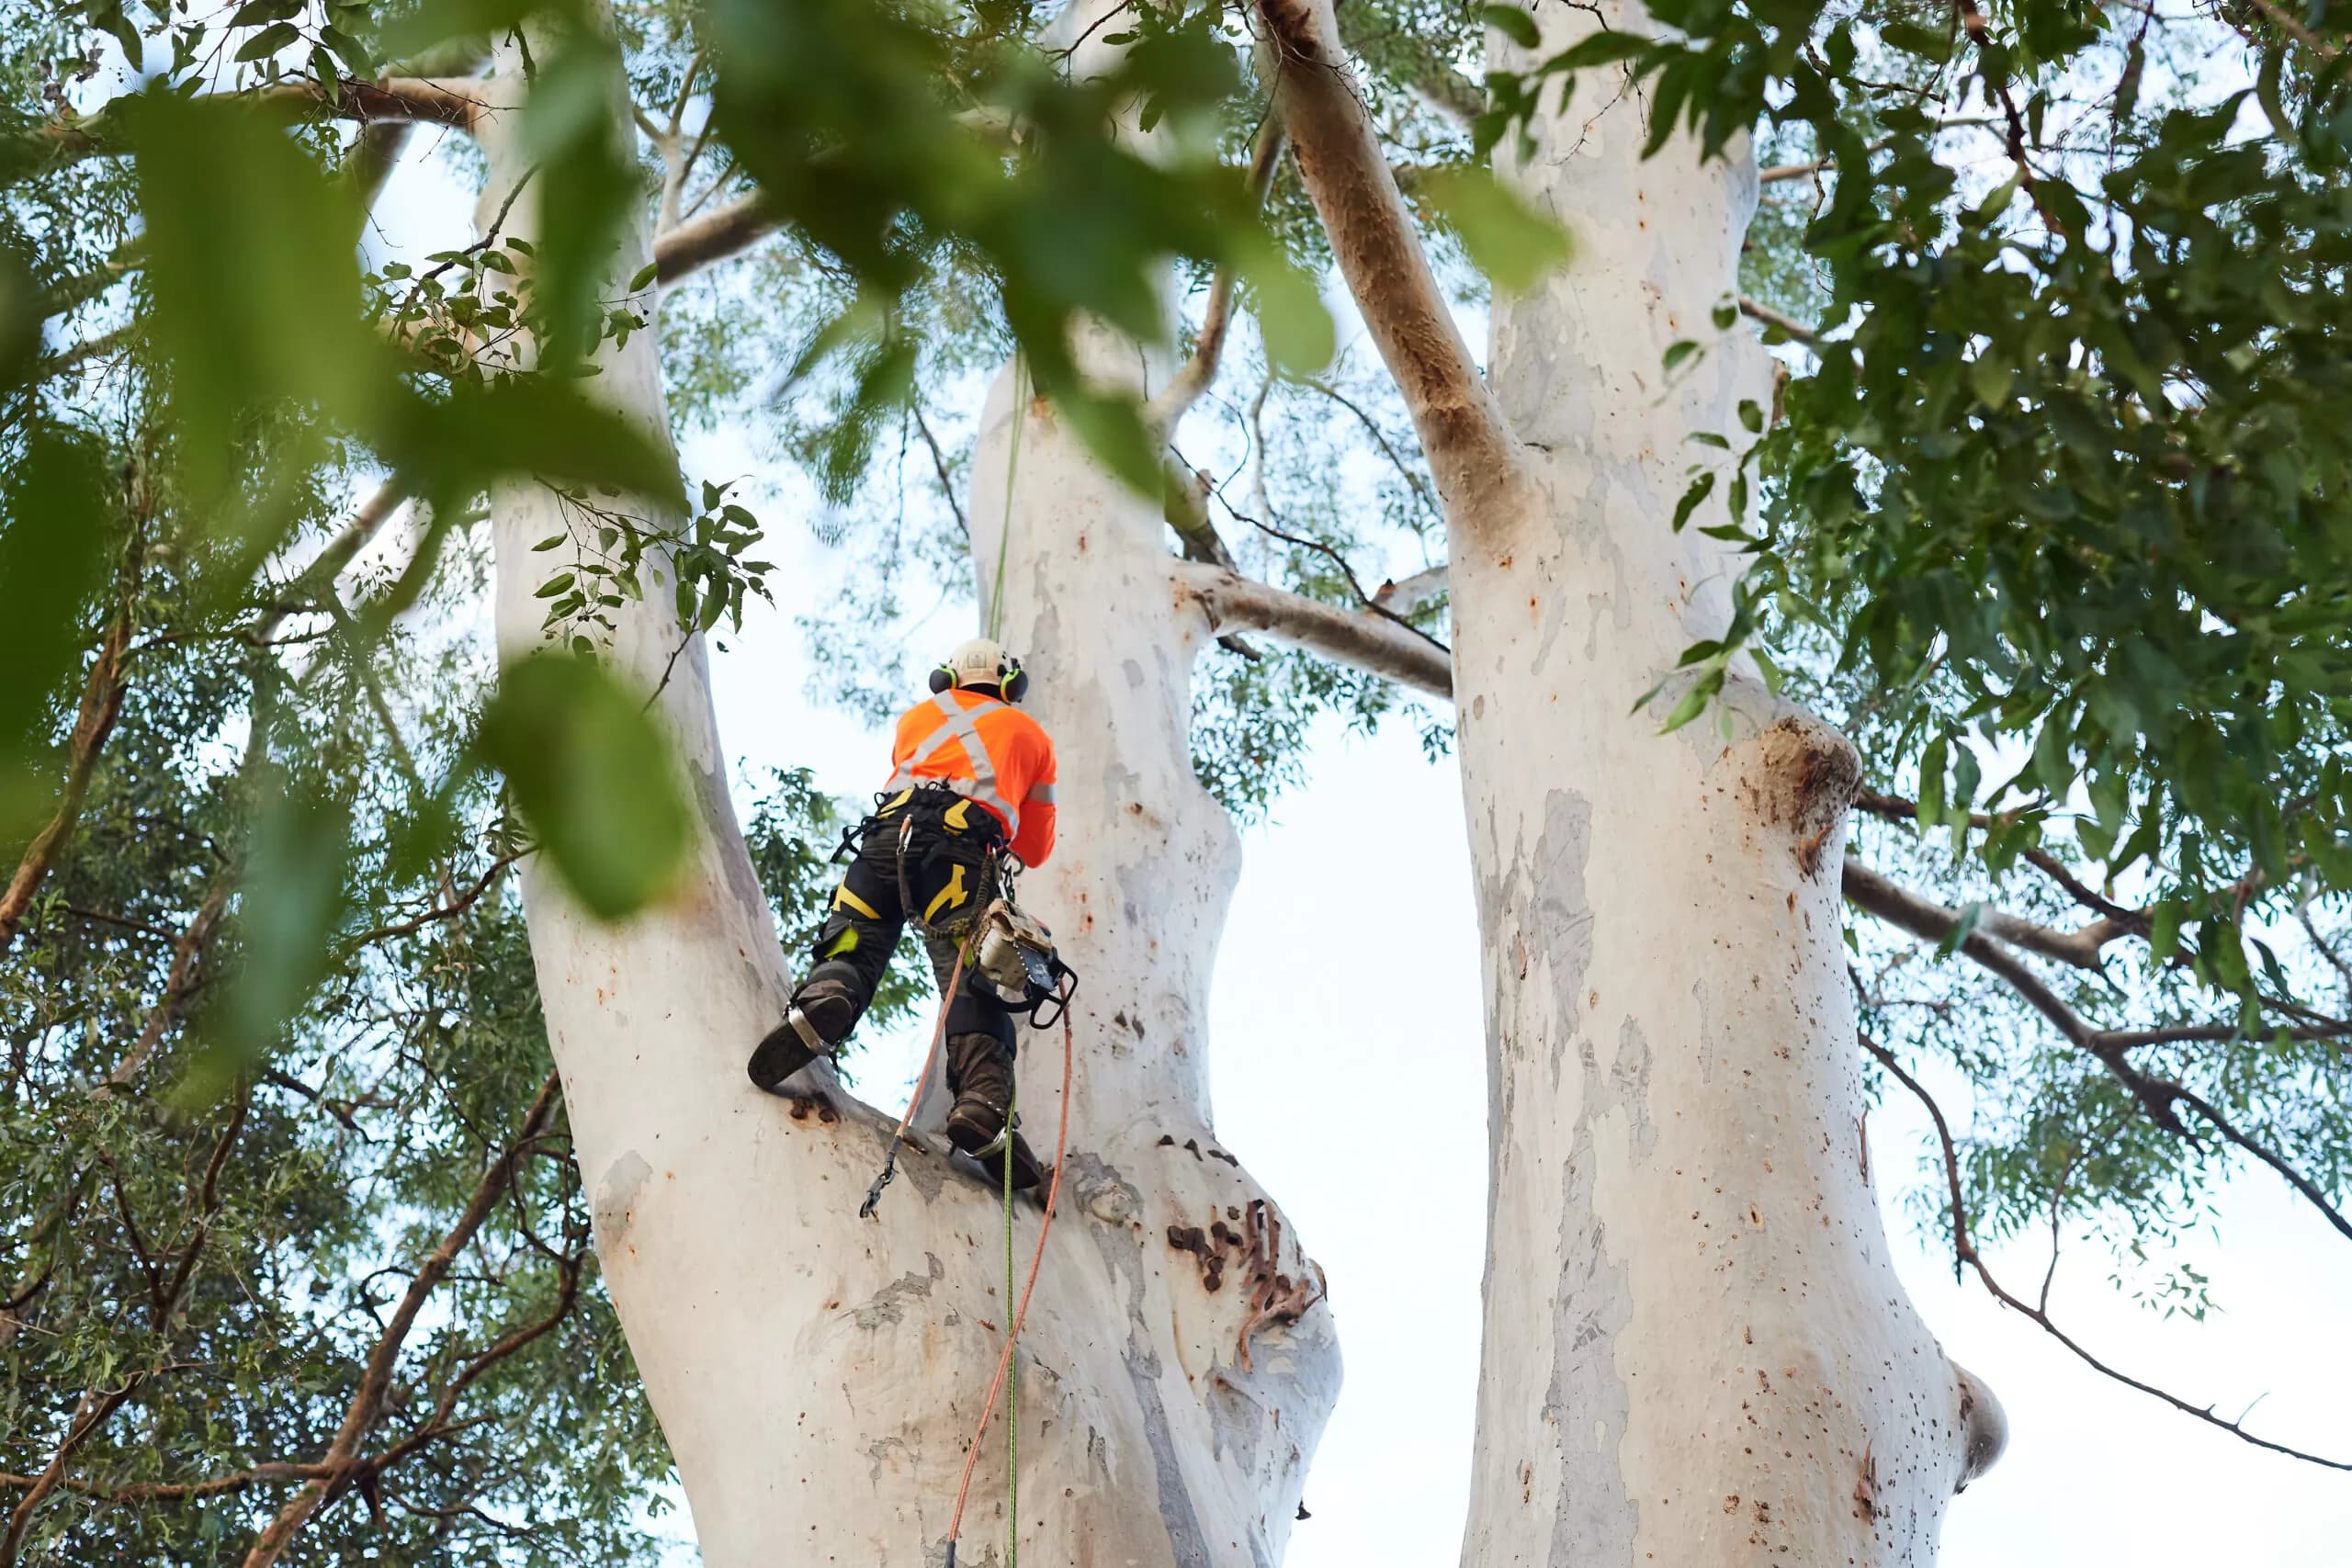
x=1696, y=1351
x=819, y=1376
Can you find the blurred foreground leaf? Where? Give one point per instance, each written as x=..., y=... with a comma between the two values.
x=53, y=540
x=592, y=775
x=252, y=254
x=292, y=901
x=1510, y=242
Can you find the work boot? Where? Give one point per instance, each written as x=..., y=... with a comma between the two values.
x=820, y=1014
x=978, y=1128
x=979, y=1070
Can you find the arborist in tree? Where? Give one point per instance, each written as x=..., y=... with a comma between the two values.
x=973, y=782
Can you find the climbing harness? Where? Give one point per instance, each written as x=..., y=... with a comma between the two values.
x=1013, y=1341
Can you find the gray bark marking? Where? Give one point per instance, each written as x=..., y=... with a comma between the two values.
x=1564, y=912
x=1094, y=1180
x=889, y=1305
x=1235, y=1420
x=1185, y=1545
x=727, y=848
x=1593, y=1519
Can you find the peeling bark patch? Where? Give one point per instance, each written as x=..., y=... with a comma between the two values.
x=1235, y=1421
x=1192, y=1239
x=1594, y=1519
x=889, y=1305
x=615, y=1203
x=882, y=1451
x=1629, y=1075
x=1273, y=1297
x=1563, y=909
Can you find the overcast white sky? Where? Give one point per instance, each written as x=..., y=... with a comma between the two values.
x=1322, y=1028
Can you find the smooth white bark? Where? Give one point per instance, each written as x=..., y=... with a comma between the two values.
x=1697, y=1351
x=818, y=1376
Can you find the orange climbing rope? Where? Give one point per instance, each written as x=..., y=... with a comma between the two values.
x=1013, y=1332
x=899, y=1138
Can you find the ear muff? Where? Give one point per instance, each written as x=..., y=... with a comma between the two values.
x=1014, y=683
x=942, y=678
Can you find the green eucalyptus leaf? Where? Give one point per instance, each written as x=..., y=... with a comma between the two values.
x=593, y=776
x=1508, y=240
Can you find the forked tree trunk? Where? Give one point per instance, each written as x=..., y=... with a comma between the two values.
x=1696, y=1351
x=819, y=1376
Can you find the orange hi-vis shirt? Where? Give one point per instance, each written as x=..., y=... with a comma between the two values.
x=985, y=750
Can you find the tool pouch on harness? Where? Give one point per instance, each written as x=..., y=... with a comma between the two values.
x=948, y=848
x=1013, y=958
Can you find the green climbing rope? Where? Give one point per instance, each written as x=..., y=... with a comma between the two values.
x=1012, y=1379
x=1011, y=469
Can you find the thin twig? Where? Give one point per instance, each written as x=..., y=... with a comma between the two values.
x=451, y=910
x=1380, y=438
x=368, y=1401
x=1789, y=326
x=2286, y=24
x=1339, y=561
x=1964, y=1251
x=939, y=466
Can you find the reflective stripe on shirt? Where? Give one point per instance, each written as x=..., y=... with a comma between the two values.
x=963, y=725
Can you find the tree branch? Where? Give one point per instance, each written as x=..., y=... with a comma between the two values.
x=566, y=1295
x=56, y=143
x=939, y=466
x=721, y=232
x=1184, y=502
x=2204, y=1033
x=67, y=293
x=179, y=984
x=1199, y=373
x=1756, y=310
x=1899, y=906
x=1866, y=889
x=366, y=1402
x=379, y=144
x=1380, y=439
x=93, y=1408
x=1964, y=1251
x=2284, y=21
x=102, y=694
x=174, y=1491
x=1415, y=592
x=2288, y=1173
x=1470, y=447
x=1369, y=642
x=456, y=905
x=2080, y=948
x=1895, y=808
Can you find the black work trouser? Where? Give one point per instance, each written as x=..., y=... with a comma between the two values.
x=926, y=855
